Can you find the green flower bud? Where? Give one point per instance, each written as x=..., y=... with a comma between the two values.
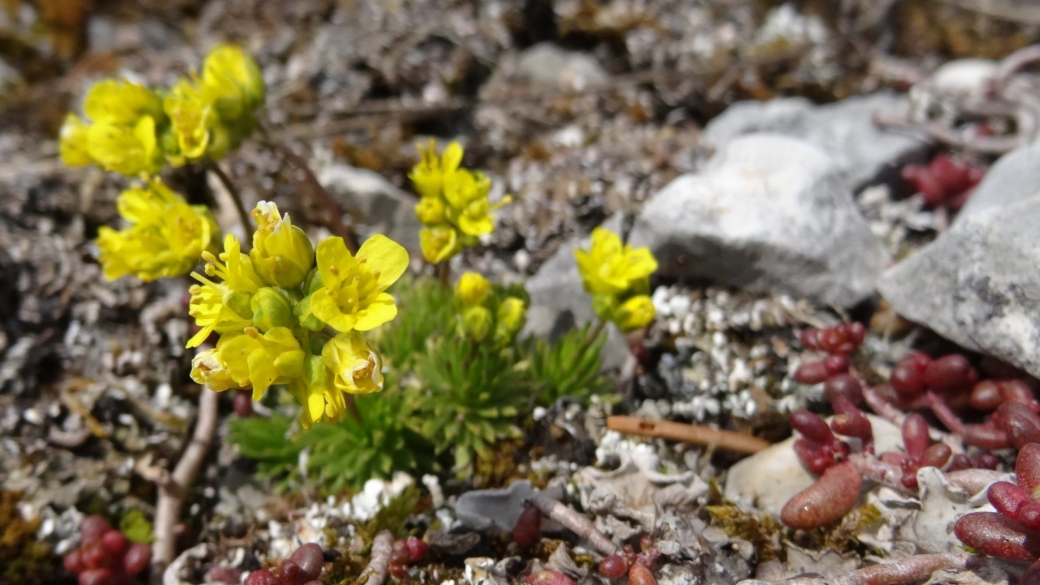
x=604, y=305
x=271, y=308
x=476, y=322
x=239, y=302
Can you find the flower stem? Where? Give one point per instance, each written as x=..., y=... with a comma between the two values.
x=243, y=215
x=444, y=274
x=352, y=407
x=591, y=338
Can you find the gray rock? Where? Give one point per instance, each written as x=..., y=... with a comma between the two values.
x=768, y=213
x=559, y=301
x=863, y=152
x=481, y=509
x=384, y=209
x=1016, y=176
x=552, y=66
x=978, y=284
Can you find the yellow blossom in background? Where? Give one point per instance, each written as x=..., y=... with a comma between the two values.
x=235, y=79
x=192, y=117
x=166, y=236
x=355, y=365
x=509, y=320
x=256, y=360
x=352, y=293
x=611, y=267
x=472, y=289
x=120, y=135
x=618, y=278
x=454, y=206
x=282, y=254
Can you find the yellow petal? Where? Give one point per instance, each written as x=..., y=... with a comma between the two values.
x=379, y=311
x=334, y=261
x=452, y=157
x=385, y=258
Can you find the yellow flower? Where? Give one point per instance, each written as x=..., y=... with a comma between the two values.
x=355, y=365
x=224, y=307
x=472, y=289
x=314, y=391
x=635, y=313
x=282, y=254
x=256, y=360
x=352, y=293
x=166, y=236
x=429, y=174
x=468, y=205
x=235, y=79
x=612, y=268
x=126, y=149
x=439, y=243
x=208, y=370
x=476, y=322
x=121, y=103
x=74, y=144
x=192, y=117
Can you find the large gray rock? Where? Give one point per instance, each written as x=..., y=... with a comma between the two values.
x=978, y=284
x=1016, y=176
x=768, y=213
x=384, y=209
x=845, y=130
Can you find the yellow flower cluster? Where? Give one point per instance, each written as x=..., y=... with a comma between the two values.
x=454, y=206
x=618, y=278
x=133, y=130
x=165, y=237
x=487, y=314
x=289, y=313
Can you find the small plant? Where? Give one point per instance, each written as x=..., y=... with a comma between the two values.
x=570, y=367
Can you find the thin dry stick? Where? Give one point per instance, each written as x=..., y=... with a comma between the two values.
x=379, y=565
x=573, y=521
x=173, y=487
x=902, y=572
x=334, y=215
x=697, y=434
x=243, y=215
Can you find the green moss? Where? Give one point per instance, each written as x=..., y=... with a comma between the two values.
x=136, y=526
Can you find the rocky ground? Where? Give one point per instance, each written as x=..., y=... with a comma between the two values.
x=755, y=147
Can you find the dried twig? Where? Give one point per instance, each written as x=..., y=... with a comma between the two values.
x=379, y=564
x=575, y=522
x=173, y=487
x=902, y=572
x=698, y=434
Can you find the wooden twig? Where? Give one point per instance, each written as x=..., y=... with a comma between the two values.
x=906, y=571
x=173, y=487
x=951, y=137
x=573, y=521
x=697, y=434
x=379, y=564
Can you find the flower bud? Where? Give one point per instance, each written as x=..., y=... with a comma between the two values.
x=476, y=322
x=430, y=210
x=235, y=77
x=510, y=319
x=439, y=243
x=635, y=313
x=355, y=365
x=282, y=254
x=271, y=308
x=472, y=289
x=208, y=370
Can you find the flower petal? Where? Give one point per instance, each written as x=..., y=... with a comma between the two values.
x=385, y=258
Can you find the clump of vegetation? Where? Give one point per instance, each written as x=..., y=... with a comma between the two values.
x=23, y=557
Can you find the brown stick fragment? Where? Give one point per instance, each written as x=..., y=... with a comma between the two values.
x=573, y=521
x=697, y=434
x=379, y=564
x=173, y=487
